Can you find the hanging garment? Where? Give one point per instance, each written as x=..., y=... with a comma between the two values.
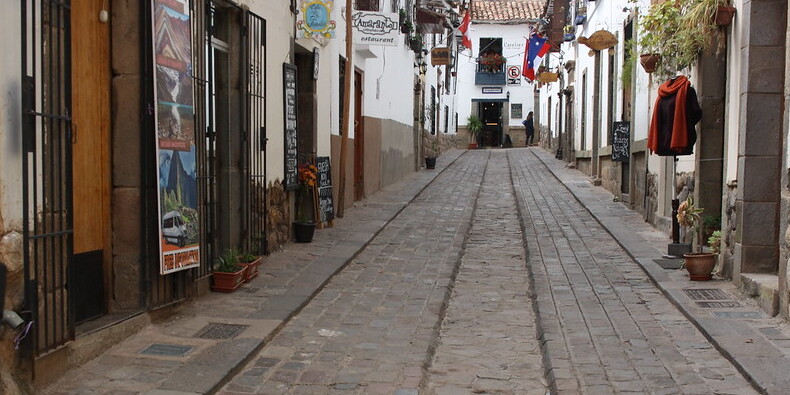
x=675, y=113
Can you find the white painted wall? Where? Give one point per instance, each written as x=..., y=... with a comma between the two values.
x=10, y=119
x=513, y=43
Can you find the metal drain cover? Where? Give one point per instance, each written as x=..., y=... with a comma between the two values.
x=718, y=305
x=168, y=350
x=217, y=331
x=706, y=294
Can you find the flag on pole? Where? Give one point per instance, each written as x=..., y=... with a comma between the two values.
x=464, y=29
x=537, y=48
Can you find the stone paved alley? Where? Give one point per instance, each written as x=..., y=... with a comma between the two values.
x=380, y=323
x=499, y=272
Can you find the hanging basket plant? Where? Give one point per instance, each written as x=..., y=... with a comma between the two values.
x=649, y=61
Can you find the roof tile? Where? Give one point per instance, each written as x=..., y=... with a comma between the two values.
x=507, y=10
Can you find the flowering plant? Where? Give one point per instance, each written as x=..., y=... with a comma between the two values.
x=307, y=179
x=492, y=59
x=689, y=216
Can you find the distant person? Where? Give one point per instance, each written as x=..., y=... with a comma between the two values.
x=530, y=128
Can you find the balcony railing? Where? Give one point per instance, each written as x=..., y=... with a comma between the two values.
x=489, y=74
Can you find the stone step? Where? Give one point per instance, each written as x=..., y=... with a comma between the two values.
x=764, y=288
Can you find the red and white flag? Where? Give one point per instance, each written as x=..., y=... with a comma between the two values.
x=464, y=29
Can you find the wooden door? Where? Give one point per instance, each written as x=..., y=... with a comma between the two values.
x=90, y=160
x=359, y=139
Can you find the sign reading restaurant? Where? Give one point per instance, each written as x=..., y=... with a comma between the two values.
x=375, y=28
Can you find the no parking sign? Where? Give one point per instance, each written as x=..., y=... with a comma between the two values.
x=514, y=75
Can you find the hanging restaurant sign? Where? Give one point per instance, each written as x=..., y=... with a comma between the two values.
x=175, y=136
x=315, y=19
x=440, y=56
x=375, y=28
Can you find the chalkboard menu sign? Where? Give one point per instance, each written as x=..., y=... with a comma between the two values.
x=290, y=111
x=326, y=209
x=621, y=140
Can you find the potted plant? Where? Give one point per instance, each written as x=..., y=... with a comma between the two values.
x=699, y=264
x=473, y=124
x=250, y=263
x=492, y=62
x=304, y=227
x=228, y=275
x=431, y=147
x=569, y=33
x=673, y=34
x=415, y=42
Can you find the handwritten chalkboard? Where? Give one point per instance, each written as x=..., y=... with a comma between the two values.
x=326, y=208
x=290, y=111
x=621, y=141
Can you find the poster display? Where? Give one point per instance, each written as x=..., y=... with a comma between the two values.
x=175, y=136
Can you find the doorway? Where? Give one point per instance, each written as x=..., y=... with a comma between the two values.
x=491, y=116
x=90, y=146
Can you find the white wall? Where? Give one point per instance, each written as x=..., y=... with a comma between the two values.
x=10, y=119
x=513, y=43
x=280, y=26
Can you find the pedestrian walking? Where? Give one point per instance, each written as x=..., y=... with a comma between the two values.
x=530, y=126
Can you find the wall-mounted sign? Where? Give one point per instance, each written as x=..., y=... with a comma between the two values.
x=514, y=75
x=175, y=137
x=315, y=19
x=621, y=141
x=516, y=110
x=440, y=56
x=375, y=28
x=492, y=89
x=289, y=103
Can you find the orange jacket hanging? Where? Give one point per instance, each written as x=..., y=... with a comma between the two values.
x=675, y=113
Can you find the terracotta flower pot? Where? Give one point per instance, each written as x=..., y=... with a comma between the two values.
x=227, y=282
x=700, y=265
x=724, y=15
x=649, y=61
x=251, y=269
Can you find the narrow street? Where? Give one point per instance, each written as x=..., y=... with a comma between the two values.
x=441, y=301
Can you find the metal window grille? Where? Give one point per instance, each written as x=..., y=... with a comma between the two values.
x=255, y=60
x=46, y=167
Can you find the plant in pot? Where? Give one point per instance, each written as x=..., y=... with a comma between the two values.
x=251, y=263
x=304, y=227
x=473, y=124
x=228, y=275
x=568, y=33
x=431, y=147
x=699, y=264
x=492, y=62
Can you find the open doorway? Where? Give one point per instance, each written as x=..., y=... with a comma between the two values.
x=491, y=116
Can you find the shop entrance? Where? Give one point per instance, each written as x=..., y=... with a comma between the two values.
x=491, y=115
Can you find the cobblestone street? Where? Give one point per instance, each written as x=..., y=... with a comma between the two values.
x=441, y=301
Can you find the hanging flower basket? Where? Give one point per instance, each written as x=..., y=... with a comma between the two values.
x=649, y=61
x=724, y=15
